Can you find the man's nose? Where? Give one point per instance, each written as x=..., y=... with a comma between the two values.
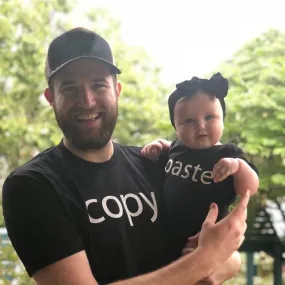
x=87, y=98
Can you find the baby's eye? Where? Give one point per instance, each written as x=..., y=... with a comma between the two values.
x=189, y=121
x=209, y=117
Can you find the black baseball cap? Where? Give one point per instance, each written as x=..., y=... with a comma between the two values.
x=78, y=43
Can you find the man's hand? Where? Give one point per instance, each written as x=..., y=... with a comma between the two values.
x=223, y=273
x=224, y=168
x=222, y=239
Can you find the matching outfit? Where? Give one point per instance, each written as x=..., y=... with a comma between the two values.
x=59, y=204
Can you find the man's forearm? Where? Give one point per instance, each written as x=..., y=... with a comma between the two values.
x=225, y=271
x=187, y=270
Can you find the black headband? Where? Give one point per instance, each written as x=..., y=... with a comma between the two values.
x=217, y=85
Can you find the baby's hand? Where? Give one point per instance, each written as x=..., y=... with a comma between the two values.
x=152, y=150
x=224, y=168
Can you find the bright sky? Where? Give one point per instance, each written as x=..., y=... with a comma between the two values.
x=187, y=37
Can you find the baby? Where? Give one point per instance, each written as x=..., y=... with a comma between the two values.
x=200, y=169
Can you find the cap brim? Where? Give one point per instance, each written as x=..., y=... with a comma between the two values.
x=113, y=68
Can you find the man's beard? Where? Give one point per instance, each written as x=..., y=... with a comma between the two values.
x=84, y=139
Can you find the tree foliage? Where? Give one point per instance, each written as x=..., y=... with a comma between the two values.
x=256, y=119
x=256, y=105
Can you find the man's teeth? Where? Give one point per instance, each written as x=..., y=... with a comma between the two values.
x=88, y=117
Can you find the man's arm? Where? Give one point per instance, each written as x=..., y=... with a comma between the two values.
x=217, y=242
x=40, y=229
x=75, y=270
x=72, y=270
x=224, y=272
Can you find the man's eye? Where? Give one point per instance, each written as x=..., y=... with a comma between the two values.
x=99, y=86
x=209, y=117
x=69, y=90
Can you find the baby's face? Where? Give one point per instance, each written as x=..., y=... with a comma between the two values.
x=199, y=120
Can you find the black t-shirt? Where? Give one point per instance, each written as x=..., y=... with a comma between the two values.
x=58, y=204
x=189, y=188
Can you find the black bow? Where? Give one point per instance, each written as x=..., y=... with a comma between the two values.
x=216, y=85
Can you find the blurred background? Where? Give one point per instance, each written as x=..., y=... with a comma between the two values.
x=158, y=44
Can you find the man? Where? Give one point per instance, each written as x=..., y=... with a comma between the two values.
x=88, y=211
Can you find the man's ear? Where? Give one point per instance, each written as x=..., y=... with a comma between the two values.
x=118, y=89
x=49, y=96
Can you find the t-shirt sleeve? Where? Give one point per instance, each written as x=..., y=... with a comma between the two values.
x=38, y=227
x=237, y=152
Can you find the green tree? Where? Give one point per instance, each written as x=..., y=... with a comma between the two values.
x=256, y=106
x=25, y=30
x=255, y=119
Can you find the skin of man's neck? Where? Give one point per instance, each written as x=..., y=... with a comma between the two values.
x=92, y=155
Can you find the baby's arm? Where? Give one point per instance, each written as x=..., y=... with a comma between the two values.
x=244, y=176
x=153, y=149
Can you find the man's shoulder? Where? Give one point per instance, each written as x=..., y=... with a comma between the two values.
x=43, y=163
x=129, y=152
x=130, y=149
x=141, y=167
x=35, y=176
x=132, y=154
